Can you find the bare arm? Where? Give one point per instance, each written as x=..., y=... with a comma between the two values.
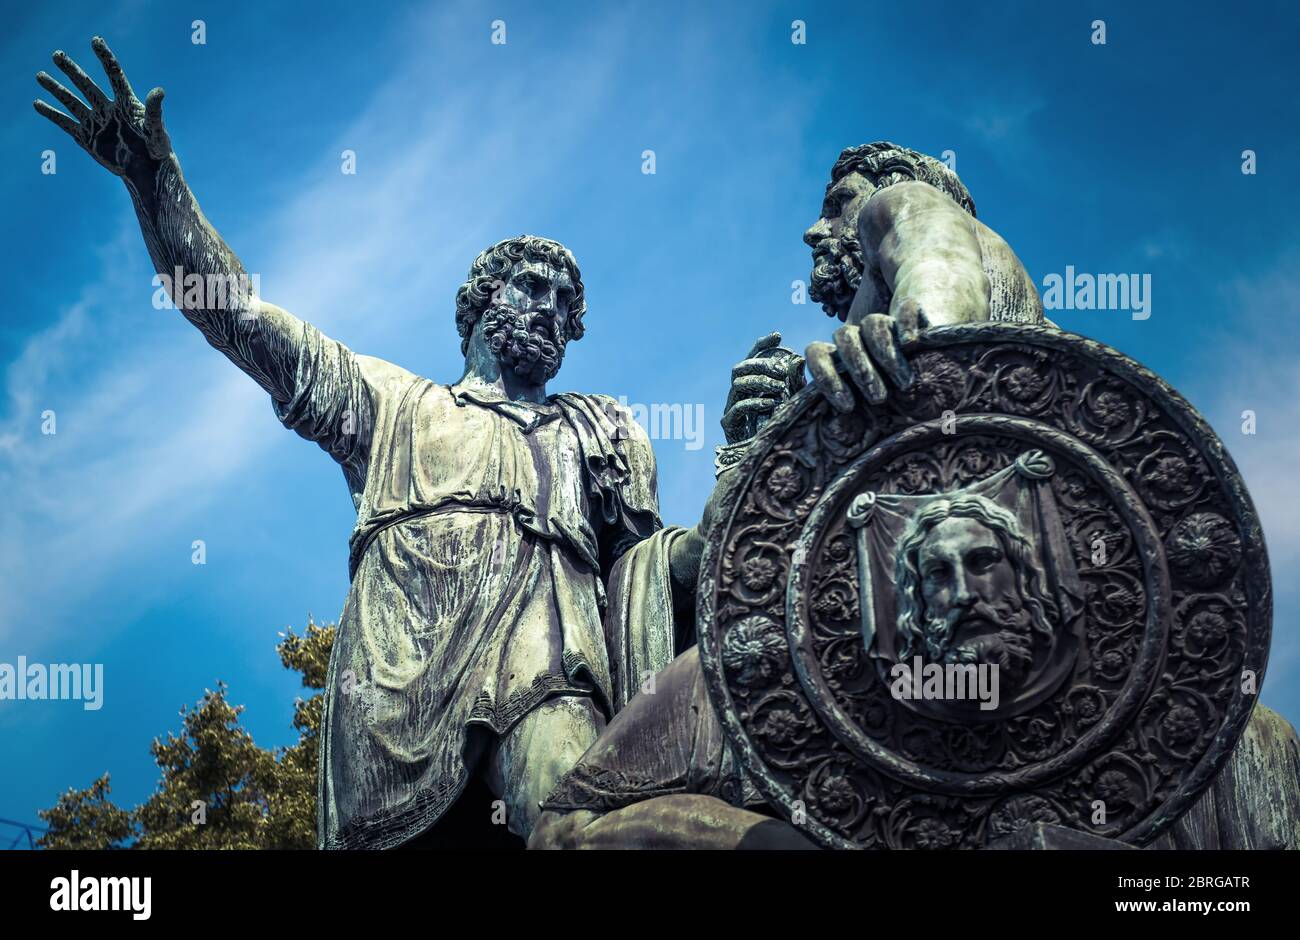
x=129, y=140
x=318, y=385
x=927, y=252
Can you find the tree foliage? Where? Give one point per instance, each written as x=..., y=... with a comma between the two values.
x=86, y=819
x=218, y=789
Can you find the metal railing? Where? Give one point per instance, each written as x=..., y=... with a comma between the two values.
x=18, y=835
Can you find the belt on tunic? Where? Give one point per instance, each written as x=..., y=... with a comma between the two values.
x=359, y=548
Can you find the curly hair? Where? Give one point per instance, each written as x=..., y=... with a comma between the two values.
x=494, y=265
x=907, y=568
x=885, y=164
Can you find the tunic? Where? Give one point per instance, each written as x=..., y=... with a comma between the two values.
x=483, y=528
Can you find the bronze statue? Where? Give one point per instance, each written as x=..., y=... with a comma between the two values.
x=862, y=527
x=891, y=222
x=896, y=249
x=490, y=513
x=513, y=586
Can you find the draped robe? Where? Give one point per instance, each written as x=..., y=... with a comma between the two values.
x=485, y=533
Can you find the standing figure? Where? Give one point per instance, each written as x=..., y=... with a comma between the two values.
x=490, y=514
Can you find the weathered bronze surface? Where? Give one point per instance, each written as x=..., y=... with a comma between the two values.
x=1121, y=697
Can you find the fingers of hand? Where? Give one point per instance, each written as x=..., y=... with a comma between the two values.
x=94, y=96
x=66, y=98
x=752, y=406
x=848, y=340
x=775, y=367
x=757, y=386
x=794, y=375
x=821, y=363
x=909, y=320
x=737, y=415
x=766, y=342
x=116, y=78
x=153, y=107
x=159, y=143
x=57, y=116
x=878, y=333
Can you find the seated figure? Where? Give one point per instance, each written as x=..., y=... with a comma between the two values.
x=897, y=248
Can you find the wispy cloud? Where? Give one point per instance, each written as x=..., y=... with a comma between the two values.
x=1256, y=370
x=152, y=433
x=1002, y=120
x=1260, y=373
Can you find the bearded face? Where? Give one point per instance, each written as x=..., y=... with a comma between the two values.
x=968, y=595
x=526, y=323
x=836, y=248
x=972, y=609
x=836, y=274
x=527, y=343
x=984, y=634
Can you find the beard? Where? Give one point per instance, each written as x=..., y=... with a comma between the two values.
x=836, y=274
x=525, y=343
x=1004, y=638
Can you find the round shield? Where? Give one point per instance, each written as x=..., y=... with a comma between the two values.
x=1030, y=588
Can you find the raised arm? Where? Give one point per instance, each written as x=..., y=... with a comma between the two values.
x=317, y=384
x=129, y=140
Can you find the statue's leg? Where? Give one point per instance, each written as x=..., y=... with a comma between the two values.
x=527, y=763
x=679, y=821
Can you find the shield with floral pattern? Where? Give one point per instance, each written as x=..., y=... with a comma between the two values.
x=1030, y=588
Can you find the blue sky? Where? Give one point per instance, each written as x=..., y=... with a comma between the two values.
x=1117, y=158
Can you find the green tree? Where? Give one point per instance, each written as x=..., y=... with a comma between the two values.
x=86, y=819
x=218, y=789
x=292, y=816
x=214, y=792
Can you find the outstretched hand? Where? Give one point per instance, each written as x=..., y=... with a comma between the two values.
x=126, y=137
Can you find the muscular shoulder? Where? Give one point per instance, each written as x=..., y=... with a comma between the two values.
x=899, y=201
x=916, y=218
